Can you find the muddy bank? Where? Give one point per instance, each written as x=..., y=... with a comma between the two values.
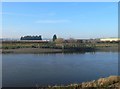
x=48, y=50
x=53, y=50
x=32, y=50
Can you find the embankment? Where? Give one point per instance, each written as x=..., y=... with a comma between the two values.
x=112, y=82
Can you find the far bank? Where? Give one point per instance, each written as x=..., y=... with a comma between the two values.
x=53, y=47
x=51, y=50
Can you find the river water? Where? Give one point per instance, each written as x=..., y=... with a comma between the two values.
x=29, y=70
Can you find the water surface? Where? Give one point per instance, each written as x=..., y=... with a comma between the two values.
x=26, y=70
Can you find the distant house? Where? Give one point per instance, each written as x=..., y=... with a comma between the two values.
x=109, y=39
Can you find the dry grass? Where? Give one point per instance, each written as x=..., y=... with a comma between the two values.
x=112, y=82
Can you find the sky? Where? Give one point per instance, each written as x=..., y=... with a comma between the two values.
x=65, y=19
x=60, y=0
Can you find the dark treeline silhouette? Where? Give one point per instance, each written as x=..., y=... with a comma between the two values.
x=54, y=37
x=31, y=38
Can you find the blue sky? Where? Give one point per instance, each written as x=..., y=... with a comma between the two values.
x=66, y=20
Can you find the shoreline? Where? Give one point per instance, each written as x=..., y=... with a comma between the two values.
x=111, y=82
x=52, y=50
x=31, y=50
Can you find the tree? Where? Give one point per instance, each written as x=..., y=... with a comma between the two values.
x=54, y=37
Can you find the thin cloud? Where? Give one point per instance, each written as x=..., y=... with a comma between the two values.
x=31, y=15
x=17, y=14
x=53, y=21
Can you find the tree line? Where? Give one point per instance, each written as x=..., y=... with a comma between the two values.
x=31, y=38
x=36, y=37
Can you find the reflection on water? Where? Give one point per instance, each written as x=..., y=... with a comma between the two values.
x=50, y=69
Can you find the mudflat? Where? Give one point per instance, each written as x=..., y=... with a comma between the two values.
x=31, y=50
x=52, y=50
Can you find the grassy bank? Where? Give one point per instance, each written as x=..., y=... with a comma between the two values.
x=43, y=47
x=112, y=82
x=52, y=47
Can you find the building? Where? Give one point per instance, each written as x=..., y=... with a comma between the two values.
x=110, y=39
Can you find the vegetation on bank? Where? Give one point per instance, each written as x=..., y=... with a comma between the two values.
x=50, y=47
x=57, y=43
x=112, y=82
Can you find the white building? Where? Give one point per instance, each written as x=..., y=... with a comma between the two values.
x=110, y=39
